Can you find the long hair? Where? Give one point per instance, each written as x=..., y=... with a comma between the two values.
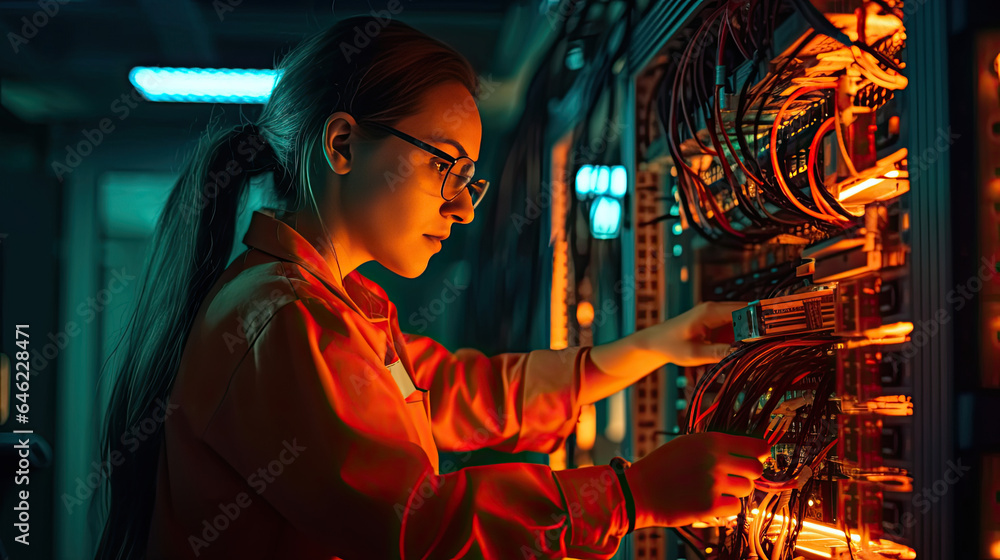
x=376, y=71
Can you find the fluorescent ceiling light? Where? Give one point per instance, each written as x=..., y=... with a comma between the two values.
x=204, y=85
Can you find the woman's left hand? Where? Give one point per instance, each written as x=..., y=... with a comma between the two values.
x=700, y=336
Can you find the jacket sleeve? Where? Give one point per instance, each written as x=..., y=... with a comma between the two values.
x=307, y=395
x=509, y=402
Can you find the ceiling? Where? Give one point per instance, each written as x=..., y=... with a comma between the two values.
x=74, y=65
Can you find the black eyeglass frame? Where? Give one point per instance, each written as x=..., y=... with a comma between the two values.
x=443, y=155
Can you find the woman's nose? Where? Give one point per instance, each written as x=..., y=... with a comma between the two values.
x=460, y=208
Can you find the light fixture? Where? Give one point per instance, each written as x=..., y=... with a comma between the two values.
x=204, y=85
x=603, y=187
x=603, y=182
x=618, y=181
x=866, y=184
x=889, y=177
x=574, y=56
x=583, y=183
x=584, y=313
x=605, y=218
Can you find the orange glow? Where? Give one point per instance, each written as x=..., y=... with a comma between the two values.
x=820, y=528
x=557, y=459
x=894, y=125
x=819, y=553
x=862, y=186
x=584, y=313
x=995, y=549
x=898, y=550
x=558, y=313
x=586, y=429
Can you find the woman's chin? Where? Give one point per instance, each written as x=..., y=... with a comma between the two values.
x=410, y=269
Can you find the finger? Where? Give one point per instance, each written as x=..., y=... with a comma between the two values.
x=725, y=506
x=746, y=446
x=721, y=312
x=743, y=466
x=734, y=485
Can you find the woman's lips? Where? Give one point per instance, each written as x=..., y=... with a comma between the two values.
x=435, y=240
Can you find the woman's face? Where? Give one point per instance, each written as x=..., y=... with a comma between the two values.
x=389, y=191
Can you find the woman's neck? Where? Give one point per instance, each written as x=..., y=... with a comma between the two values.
x=328, y=241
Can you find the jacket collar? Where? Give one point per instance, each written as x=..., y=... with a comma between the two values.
x=274, y=237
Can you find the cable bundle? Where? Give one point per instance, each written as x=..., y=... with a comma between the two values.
x=768, y=388
x=748, y=151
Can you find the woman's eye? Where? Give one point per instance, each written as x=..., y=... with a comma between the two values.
x=441, y=166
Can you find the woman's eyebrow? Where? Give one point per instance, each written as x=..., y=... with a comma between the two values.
x=461, y=150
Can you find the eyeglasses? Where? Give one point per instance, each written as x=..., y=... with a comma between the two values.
x=460, y=171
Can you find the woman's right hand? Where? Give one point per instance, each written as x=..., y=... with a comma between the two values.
x=694, y=477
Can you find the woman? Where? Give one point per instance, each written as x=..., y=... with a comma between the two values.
x=298, y=421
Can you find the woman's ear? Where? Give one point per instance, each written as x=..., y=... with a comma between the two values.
x=338, y=135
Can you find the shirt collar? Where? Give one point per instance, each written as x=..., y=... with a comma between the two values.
x=274, y=237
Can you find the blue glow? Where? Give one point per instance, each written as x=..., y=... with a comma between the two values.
x=605, y=218
x=603, y=182
x=583, y=183
x=574, y=58
x=678, y=250
x=204, y=85
x=677, y=229
x=619, y=181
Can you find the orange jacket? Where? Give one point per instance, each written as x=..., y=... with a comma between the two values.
x=293, y=438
